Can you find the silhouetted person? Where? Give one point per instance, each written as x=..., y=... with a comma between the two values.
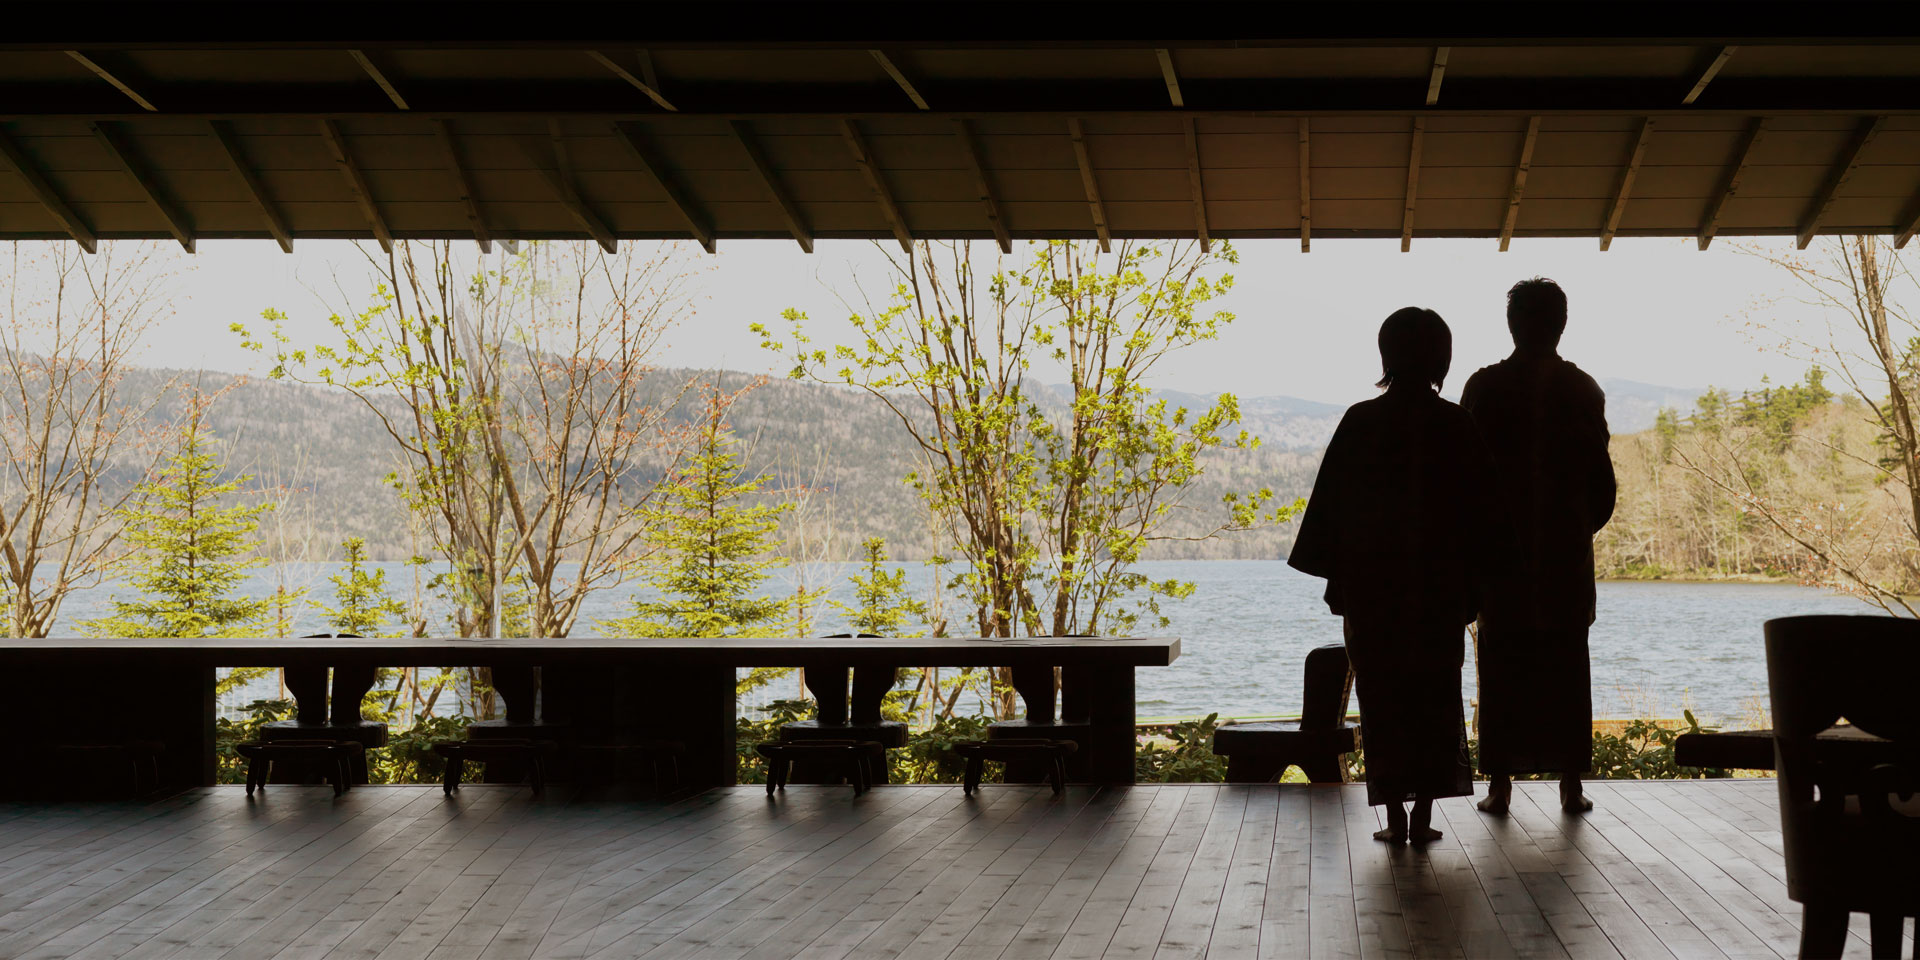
x=1545, y=423
x=1397, y=526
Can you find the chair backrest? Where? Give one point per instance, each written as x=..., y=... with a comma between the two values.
x=1328, y=687
x=1820, y=670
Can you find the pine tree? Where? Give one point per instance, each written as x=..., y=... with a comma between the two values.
x=882, y=606
x=715, y=549
x=188, y=551
x=364, y=603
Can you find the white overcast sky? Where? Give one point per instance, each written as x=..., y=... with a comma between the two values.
x=1653, y=310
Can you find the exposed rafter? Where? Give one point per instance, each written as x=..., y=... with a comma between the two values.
x=1906, y=233
x=559, y=178
x=870, y=169
x=357, y=182
x=230, y=146
x=646, y=83
x=111, y=140
x=970, y=147
x=1413, y=183
x=1707, y=73
x=1193, y=179
x=1172, y=78
x=1624, y=188
x=1730, y=187
x=1519, y=189
x=1095, y=207
x=697, y=225
x=1438, y=73
x=43, y=191
x=468, y=198
x=1836, y=178
x=893, y=70
x=119, y=83
x=776, y=190
x=1306, y=189
x=373, y=70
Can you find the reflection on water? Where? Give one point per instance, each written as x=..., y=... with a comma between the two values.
x=1656, y=646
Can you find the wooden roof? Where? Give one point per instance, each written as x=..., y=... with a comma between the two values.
x=809, y=121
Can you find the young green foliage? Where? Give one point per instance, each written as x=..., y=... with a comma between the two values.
x=364, y=604
x=883, y=606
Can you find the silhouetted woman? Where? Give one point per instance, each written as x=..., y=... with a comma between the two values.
x=1398, y=525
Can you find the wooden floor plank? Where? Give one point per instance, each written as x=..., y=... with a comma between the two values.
x=1236, y=926
x=1285, y=916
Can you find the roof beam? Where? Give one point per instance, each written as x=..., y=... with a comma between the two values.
x=1519, y=190
x=697, y=225
x=276, y=224
x=1172, y=78
x=1906, y=233
x=1438, y=73
x=443, y=133
x=1413, y=183
x=647, y=83
x=970, y=146
x=789, y=211
x=1624, y=189
x=116, y=146
x=560, y=179
x=1090, y=183
x=1836, y=178
x=863, y=158
x=1707, y=73
x=1306, y=190
x=343, y=158
x=1731, y=185
x=43, y=191
x=906, y=86
x=365, y=60
x=1193, y=180
x=119, y=83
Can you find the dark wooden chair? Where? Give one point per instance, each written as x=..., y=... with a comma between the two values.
x=529, y=755
x=1261, y=752
x=313, y=721
x=1033, y=750
x=1041, y=695
x=334, y=758
x=1848, y=815
x=838, y=716
x=853, y=758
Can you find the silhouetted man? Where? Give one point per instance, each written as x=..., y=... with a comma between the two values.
x=1545, y=424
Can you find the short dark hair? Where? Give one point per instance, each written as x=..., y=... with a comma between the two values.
x=1415, y=344
x=1536, y=313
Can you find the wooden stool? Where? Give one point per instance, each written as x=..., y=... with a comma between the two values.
x=334, y=757
x=370, y=734
x=855, y=758
x=977, y=752
x=532, y=753
x=606, y=758
x=1261, y=752
x=887, y=733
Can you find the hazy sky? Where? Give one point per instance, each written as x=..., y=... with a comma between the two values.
x=1657, y=311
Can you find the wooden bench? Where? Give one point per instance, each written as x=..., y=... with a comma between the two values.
x=1052, y=753
x=855, y=759
x=1753, y=749
x=530, y=755
x=333, y=759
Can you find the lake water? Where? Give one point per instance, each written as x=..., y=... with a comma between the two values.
x=1657, y=647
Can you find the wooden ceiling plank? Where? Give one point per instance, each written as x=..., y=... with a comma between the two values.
x=1306, y=189
x=1090, y=183
x=789, y=211
x=1836, y=178
x=970, y=146
x=1413, y=183
x=648, y=86
x=366, y=62
x=1624, y=188
x=560, y=179
x=1519, y=189
x=1730, y=186
x=45, y=193
x=1707, y=73
x=641, y=147
x=357, y=182
x=899, y=78
x=119, y=83
x=115, y=143
x=1194, y=182
x=230, y=145
x=1438, y=73
x=1167, y=73
x=469, y=200
x=876, y=181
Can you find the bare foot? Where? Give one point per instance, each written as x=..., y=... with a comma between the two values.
x=1572, y=798
x=1425, y=835
x=1391, y=835
x=1499, y=797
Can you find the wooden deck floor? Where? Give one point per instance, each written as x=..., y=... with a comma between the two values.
x=1682, y=870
